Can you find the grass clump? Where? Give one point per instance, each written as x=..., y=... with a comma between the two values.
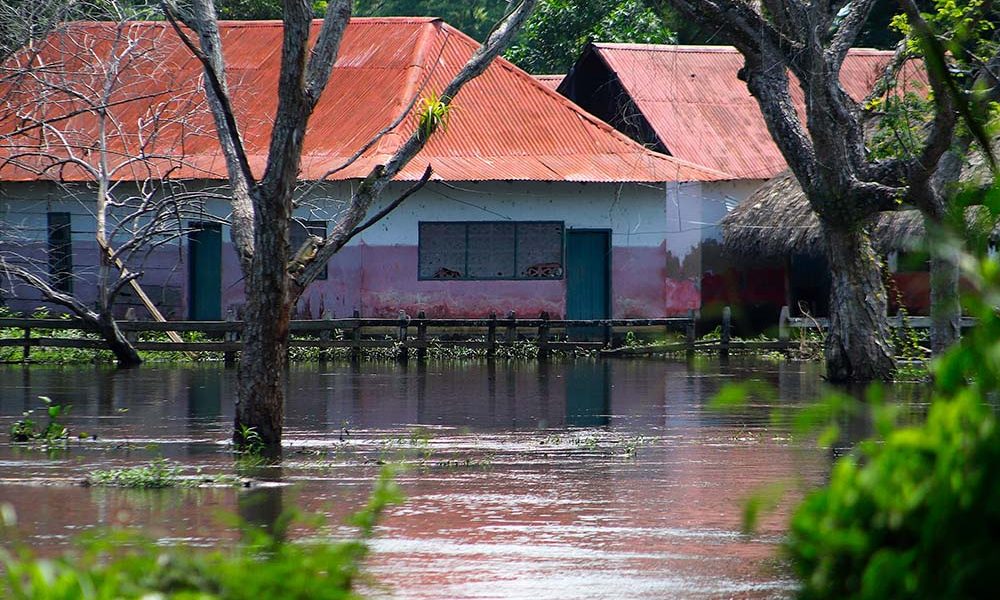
x=161, y=473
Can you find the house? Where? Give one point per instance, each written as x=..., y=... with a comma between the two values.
x=534, y=205
x=688, y=102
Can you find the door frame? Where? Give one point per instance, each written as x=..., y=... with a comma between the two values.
x=609, y=270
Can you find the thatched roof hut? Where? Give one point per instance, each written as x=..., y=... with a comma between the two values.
x=776, y=220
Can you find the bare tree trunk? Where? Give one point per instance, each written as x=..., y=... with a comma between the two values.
x=858, y=345
x=260, y=403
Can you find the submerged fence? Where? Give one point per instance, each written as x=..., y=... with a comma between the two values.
x=407, y=336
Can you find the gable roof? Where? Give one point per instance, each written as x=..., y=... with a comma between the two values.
x=504, y=125
x=700, y=111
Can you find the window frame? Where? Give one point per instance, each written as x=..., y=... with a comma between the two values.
x=60, y=252
x=516, y=277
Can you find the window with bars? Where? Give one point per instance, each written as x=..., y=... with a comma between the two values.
x=491, y=250
x=298, y=231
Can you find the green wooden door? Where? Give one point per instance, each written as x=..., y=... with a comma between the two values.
x=205, y=272
x=588, y=274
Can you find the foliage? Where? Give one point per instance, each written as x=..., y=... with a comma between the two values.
x=122, y=565
x=26, y=429
x=473, y=17
x=557, y=32
x=160, y=473
x=912, y=513
x=433, y=113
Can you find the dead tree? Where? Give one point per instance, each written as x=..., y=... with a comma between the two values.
x=66, y=119
x=262, y=207
x=828, y=155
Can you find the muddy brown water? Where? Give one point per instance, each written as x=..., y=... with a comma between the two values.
x=585, y=479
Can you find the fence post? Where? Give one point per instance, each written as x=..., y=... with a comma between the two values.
x=727, y=318
x=356, y=338
x=511, y=333
x=491, y=336
x=231, y=336
x=543, y=337
x=422, y=335
x=130, y=336
x=404, y=353
x=783, y=332
x=325, y=335
x=26, y=349
x=690, y=331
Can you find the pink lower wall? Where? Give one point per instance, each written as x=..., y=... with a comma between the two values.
x=379, y=281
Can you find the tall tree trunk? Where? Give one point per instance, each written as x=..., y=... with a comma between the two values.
x=260, y=403
x=946, y=310
x=858, y=345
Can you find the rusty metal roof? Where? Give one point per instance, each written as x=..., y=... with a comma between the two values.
x=701, y=111
x=504, y=125
x=550, y=81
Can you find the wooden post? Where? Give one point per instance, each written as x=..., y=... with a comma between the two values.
x=727, y=317
x=783, y=332
x=130, y=336
x=26, y=349
x=690, y=333
x=543, y=337
x=325, y=335
x=491, y=336
x=231, y=336
x=404, y=353
x=422, y=335
x=511, y=334
x=607, y=334
x=356, y=338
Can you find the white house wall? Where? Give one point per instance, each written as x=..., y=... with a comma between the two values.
x=652, y=228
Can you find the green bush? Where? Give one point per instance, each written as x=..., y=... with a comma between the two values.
x=914, y=514
x=121, y=565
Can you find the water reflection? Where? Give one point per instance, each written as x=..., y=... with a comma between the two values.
x=588, y=394
x=527, y=487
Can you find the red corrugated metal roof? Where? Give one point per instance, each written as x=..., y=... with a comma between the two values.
x=505, y=125
x=703, y=113
x=550, y=81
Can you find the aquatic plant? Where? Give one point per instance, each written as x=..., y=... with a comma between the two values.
x=114, y=565
x=160, y=473
x=27, y=430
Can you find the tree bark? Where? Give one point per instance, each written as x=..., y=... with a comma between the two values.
x=858, y=345
x=946, y=309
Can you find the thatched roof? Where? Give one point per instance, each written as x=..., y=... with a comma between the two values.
x=776, y=220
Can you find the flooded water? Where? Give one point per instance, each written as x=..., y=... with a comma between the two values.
x=586, y=479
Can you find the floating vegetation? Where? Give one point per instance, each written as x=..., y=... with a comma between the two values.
x=158, y=474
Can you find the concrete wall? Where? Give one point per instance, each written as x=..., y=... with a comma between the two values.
x=656, y=233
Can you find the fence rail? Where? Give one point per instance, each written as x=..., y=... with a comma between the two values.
x=403, y=333
x=419, y=333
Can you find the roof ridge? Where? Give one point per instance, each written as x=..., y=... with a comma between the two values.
x=694, y=48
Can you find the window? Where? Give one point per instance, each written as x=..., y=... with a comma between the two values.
x=297, y=233
x=60, y=252
x=491, y=250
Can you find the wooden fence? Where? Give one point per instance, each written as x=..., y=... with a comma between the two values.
x=405, y=334
x=402, y=334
